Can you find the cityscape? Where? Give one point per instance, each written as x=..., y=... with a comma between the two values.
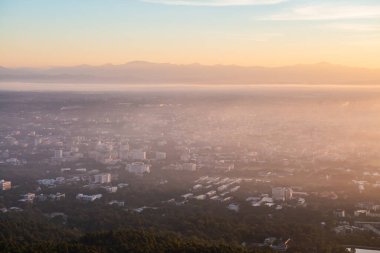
x=189, y=126
x=147, y=155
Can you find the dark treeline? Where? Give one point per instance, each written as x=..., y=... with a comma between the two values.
x=32, y=232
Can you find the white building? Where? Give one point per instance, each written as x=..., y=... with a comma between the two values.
x=124, y=147
x=281, y=193
x=29, y=197
x=81, y=170
x=123, y=151
x=138, y=168
x=187, y=195
x=88, y=198
x=373, y=214
x=224, y=166
x=37, y=141
x=236, y=188
x=103, y=178
x=358, y=213
x=65, y=170
x=5, y=185
x=160, y=155
x=211, y=193
x=137, y=155
x=185, y=156
x=42, y=197
x=116, y=203
x=13, y=161
x=233, y=207
x=53, y=197
x=46, y=182
x=58, y=154
x=111, y=189
x=200, y=197
x=197, y=187
x=339, y=213
x=189, y=166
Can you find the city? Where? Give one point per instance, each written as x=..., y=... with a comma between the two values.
x=151, y=157
x=189, y=126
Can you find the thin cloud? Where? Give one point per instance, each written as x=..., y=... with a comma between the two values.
x=353, y=27
x=215, y=3
x=328, y=12
x=261, y=37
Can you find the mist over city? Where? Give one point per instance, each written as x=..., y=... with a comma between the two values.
x=216, y=126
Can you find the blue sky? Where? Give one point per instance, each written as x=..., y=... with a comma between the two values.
x=243, y=32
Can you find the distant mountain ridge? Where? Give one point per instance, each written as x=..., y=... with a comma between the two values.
x=140, y=72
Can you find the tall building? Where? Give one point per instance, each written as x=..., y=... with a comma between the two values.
x=37, y=141
x=138, y=168
x=189, y=166
x=58, y=154
x=282, y=193
x=137, y=155
x=103, y=178
x=288, y=194
x=339, y=213
x=29, y=197
x=88, y=198
x=160, y=155
x=123, y=151
x=185, y=156
x=5, y=185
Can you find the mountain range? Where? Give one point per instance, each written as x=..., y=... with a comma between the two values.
x=140, y=72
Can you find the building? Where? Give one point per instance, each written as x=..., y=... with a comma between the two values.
x=211, y=193
x=52, y=197
x=42, y=197
x=58, y=154
x=123, y=151
x=138, y=168
x=200, y=197
x=160, y=155
x=359, y=213
x=29, y=197
x=187, y=195
x=282, y=193
x=104, y=178
x=82, y=170
x=137, y=155
x=339, y=213
x=5, y=185
x=233, y=207
x=88, y=198
x=185, y=156
x=189, y=166
x=110, y=189
x=373, y=214
x=224, y=166
x=116, y=203
x=37, y=141
x=63, y=170
x=58, y=196
x=234, y=189
x=46, y=182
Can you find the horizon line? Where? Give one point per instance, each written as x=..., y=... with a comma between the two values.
x=188, y=64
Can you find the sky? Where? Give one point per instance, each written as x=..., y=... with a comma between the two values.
x=41, y=33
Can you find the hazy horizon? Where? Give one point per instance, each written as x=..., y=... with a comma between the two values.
x=228, y=126
x=268, y=33
x=142, y=61
x=140, y=72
